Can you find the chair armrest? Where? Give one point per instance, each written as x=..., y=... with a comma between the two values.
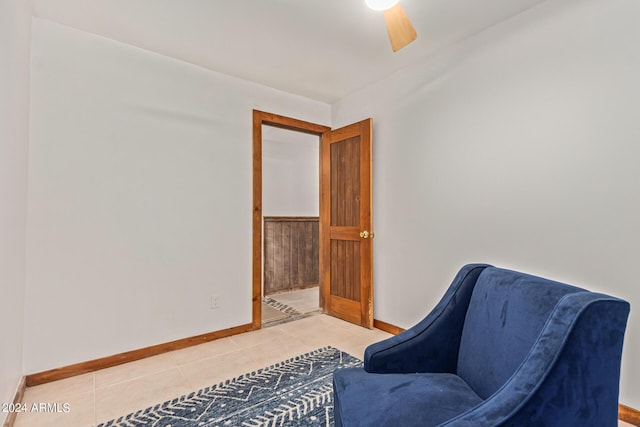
x=431, y=345
x=571, y=375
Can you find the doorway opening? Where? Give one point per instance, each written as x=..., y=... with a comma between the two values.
x=290, y=210
x=345, y=217
x=286, y=198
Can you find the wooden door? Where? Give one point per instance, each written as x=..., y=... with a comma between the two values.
x=346, y=247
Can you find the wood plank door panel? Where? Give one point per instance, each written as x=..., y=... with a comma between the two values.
x=346, y=258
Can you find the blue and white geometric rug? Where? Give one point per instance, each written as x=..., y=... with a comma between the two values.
x=297, y=392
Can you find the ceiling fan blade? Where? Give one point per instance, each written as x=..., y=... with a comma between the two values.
x=400, y=30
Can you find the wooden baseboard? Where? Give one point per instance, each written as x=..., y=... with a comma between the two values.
x=130, y=356
x=387, y=327
x=11, y=417
x=629, y=415
x=625, y=413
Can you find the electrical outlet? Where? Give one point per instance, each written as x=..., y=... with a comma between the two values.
x=215, y=301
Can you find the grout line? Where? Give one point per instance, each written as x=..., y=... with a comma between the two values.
x=229, y=345
x=136, y=375
x=185, y=380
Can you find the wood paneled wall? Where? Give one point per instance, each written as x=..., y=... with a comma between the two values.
x=290, y=253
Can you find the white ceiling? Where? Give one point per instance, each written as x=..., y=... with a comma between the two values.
x=321, y=49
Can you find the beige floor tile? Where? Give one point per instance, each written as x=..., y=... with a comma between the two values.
x=356, y=350
x=304, y=300
x=320, y=334
x=140, y=393
x=302, y=326
x=324, y=330
x=320, y=323
x=297, y=325
x=53, y=391
x=260, y=336
x=207, y=372
x=139, y=368
x=65, y=411
x=340, y=324
x=270, y=314
x=279, y=349
x=203, y=351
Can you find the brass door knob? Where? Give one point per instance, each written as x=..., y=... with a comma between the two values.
x=365, y=234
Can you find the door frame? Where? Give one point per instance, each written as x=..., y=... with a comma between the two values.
x=269, y=119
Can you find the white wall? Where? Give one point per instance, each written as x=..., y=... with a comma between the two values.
x=140, y=197
x=518, y=147
x=290, y=173
x=15, y=24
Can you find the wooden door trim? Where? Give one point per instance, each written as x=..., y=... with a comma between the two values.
x=366, y=221
x=263, y=118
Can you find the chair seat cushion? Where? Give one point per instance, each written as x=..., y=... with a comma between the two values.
x=380, y=400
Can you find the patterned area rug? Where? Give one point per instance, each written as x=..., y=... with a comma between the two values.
x=294, y=393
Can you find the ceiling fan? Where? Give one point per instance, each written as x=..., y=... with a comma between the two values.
x=399, y=27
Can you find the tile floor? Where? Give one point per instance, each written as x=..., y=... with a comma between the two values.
x=103, y=395
x=304, y=301
x=107, y=394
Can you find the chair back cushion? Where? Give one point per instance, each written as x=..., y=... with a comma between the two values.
x=506, y=314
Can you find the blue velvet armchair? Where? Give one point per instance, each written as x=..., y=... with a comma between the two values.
x=501, y=348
